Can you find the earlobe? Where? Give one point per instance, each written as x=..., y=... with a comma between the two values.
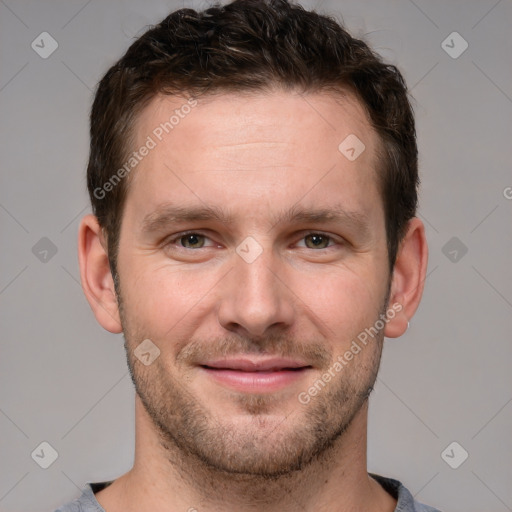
x=95, y=275
x=408, y=278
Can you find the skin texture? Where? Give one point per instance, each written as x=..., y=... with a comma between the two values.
x=202, y=444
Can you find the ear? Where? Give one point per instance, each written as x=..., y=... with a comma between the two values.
x=408, y=278
x=97, y=282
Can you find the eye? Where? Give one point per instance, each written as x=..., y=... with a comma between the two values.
x=189, y=240
x=194, y=240
x=317, y=240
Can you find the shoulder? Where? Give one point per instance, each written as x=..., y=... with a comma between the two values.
x=405, y=500
x=86, y=502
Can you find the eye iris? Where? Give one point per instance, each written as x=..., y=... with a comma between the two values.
x=192, y=239
x=317, y=239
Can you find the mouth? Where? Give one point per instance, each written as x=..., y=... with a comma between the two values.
x=256, y=376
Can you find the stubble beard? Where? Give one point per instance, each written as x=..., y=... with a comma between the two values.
x=269, y=446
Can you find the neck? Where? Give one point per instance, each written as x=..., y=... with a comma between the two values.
x=165, y=479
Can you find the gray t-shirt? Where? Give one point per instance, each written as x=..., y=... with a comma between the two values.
x=405, y=502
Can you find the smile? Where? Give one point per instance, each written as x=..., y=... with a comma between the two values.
x=253, y=376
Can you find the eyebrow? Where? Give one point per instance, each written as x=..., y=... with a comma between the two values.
x=168, y=214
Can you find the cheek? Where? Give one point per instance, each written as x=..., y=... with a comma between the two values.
x=161, y=301
x=344, y=301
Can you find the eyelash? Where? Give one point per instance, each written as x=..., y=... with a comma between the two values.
x=178, y=237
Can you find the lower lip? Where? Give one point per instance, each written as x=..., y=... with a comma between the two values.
x=256, y=382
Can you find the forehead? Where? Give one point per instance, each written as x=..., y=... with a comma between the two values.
x=275, y=146
x=231, y=118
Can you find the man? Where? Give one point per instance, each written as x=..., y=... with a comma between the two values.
x=253, y=175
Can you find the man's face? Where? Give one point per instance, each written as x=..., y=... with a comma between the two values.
x=231, y=314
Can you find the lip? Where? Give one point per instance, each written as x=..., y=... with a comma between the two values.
x=256, y=376
x=256, y=365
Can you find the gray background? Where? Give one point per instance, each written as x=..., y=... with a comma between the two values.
x=64, y=380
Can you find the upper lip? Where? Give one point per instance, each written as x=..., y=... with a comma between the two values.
x=256, y=365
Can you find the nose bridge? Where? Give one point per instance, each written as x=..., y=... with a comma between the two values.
x=254, y=298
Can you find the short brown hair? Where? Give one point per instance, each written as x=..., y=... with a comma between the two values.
x=251, y=45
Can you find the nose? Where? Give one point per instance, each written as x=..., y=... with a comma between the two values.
x=254, y=299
